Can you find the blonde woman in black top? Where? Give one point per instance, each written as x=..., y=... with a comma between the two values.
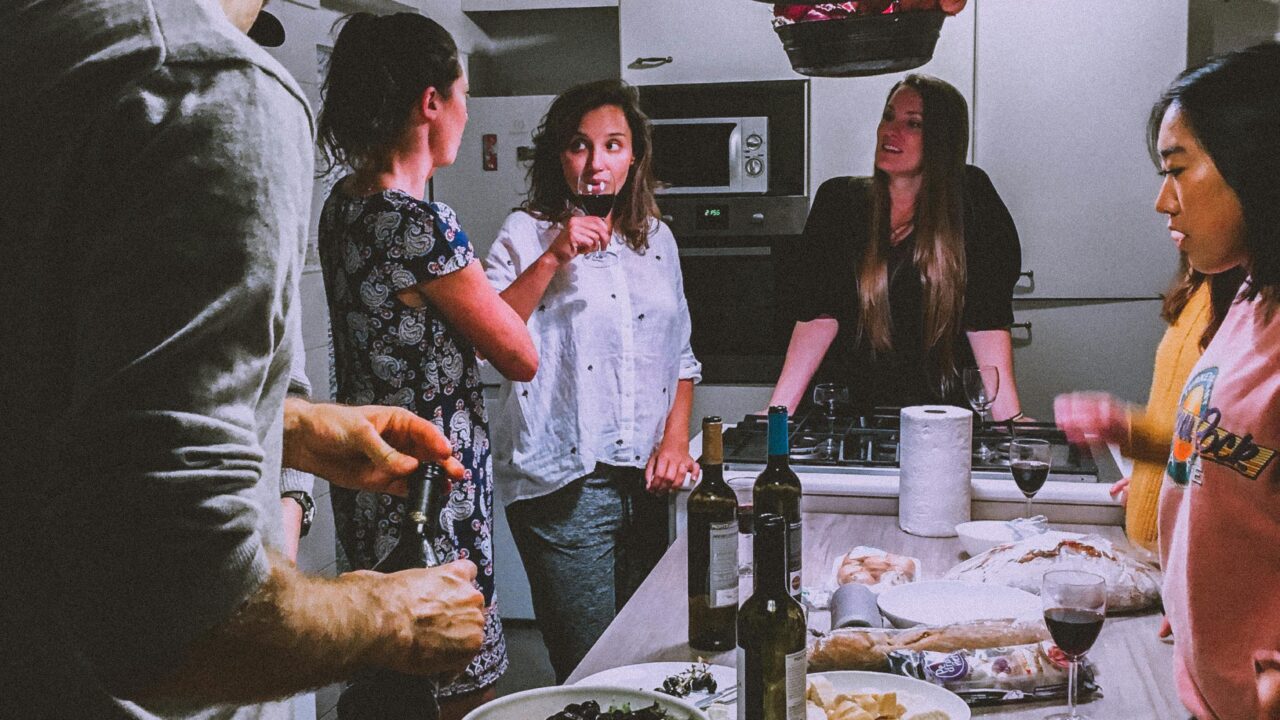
x=910, y=272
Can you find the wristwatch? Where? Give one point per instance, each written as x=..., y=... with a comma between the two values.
x=308, y=509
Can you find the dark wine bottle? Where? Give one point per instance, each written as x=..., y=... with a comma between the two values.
x=385, y=694
x=772, y=661
x=713, y=549
x=777, y=491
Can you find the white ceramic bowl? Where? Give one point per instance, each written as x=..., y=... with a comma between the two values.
x=541, y=703
x=980, y=536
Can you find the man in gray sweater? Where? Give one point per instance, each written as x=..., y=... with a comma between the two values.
x=153, y=205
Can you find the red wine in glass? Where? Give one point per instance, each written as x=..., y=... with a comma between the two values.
x=596, y=205
x=1029, y=475
x=1075, y=605
x=746, y=518
x=1073, y=630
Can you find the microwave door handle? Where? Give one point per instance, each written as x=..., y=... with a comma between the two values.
x=735, y=157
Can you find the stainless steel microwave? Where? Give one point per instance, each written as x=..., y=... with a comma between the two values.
x=711, y=155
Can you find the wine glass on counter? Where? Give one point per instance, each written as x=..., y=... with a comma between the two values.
x=596, y=196
x=828, y=396
x=1075, y=606
x=1030, y=461
x=981, y=386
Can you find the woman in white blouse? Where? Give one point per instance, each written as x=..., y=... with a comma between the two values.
x=588, y=450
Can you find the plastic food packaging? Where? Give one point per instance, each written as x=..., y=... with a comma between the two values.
x=874, y=568
x=997, y=676
x=869, y=648
x=1132, y=583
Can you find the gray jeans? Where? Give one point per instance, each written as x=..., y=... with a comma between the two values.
x=586, y=548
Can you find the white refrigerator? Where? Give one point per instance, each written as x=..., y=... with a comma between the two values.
x=488, y=178
x=485, y=182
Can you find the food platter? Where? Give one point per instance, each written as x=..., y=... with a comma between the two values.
x=541, y=703
x=650, y=676
x=919, y=698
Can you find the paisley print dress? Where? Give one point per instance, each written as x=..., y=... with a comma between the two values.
x=387, y=353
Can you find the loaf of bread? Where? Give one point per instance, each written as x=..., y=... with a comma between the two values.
x=869, y=648
x=875, y=568
x=1131, y=583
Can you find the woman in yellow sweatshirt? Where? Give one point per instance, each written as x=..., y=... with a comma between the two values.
x=1194, y=308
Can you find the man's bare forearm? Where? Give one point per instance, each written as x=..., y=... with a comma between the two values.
x=297, y=632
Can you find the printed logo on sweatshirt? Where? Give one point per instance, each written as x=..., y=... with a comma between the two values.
x=1198, y=434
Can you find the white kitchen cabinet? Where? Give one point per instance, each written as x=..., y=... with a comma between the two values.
x=707, y=41
x=1063, y=90
x=844, y=112
x=1084, y=345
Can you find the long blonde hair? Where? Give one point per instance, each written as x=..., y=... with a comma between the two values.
x=939, y=255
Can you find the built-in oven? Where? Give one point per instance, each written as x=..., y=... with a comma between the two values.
x=736, y=238
x=736, y=254
x=711, y=155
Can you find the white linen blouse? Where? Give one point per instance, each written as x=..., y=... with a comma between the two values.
x=612, y=344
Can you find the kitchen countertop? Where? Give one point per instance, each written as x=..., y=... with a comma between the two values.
x=995, y=496
x=1134, y=666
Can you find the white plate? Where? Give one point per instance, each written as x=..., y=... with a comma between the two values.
x=649, y=676
x=942, y=602
x=541, y=703
x=917, y=696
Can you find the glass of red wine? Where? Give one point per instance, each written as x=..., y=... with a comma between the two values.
x=1029, y=461
x=1075, y=605
x=595, y=196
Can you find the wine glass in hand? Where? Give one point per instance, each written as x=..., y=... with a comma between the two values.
x=981, y=386
x=1029, y=461
x=596, y=195
x=1075, y=606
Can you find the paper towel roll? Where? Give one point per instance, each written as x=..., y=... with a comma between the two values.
x=934, y=489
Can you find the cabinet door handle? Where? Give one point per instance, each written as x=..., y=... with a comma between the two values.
x=1023, y=339
x=1030, y=275
x=645, y=63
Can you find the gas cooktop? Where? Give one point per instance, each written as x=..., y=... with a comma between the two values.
x=870, y=443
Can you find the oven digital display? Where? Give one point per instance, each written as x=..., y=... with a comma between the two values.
x=712, y=217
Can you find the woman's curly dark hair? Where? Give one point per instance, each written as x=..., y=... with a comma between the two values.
x=550, y=197
x=379, y=68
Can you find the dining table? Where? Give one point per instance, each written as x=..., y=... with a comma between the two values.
x=1133, y=664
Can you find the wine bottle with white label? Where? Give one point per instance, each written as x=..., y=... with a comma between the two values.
x=713, y=549
x=771, y=634
x=777, y=491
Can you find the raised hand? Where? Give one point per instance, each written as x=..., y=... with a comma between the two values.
x=370, y=447
x=1092, y=414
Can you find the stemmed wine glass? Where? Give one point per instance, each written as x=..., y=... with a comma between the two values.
x=828, y=395
x=981, y=386
x=596, y=197
x=1029, y=461
x=1075, y=606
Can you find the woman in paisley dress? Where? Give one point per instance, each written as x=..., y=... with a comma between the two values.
x=409, y=305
